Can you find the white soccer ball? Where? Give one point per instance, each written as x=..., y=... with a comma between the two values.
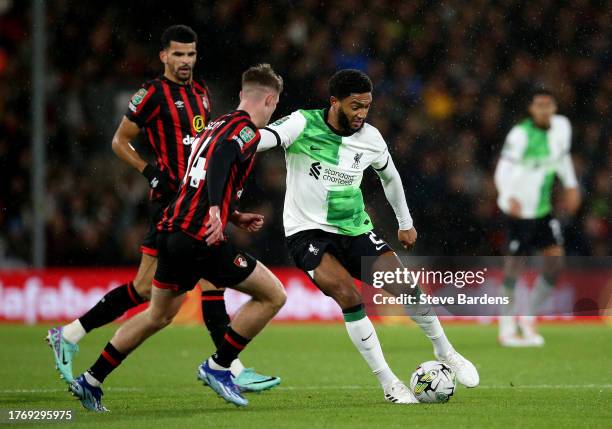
x=433, y=382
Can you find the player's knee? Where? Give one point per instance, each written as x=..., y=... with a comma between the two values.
x=277, y=296
x=143, y=285
x=143, y=290
x=160, y=320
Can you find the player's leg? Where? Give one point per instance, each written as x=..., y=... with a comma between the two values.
x=267, y=298
x=519, y=237
x=176, y=273
x=335, y=281
x=424, y=317
x=548, y=239
x=315, y=252
x=216, y=321
x=508, y=328
x=214, y=312
x=543, y=287
x=164, y=305
x=114, y=304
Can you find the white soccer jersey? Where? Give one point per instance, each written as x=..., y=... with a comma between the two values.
x=324, y=172
x=530, y=160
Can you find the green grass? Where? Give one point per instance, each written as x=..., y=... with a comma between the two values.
x=568, y=383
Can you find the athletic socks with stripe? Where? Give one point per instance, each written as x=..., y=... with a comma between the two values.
x=363, y=335
x=110, y=307
x=232, y=344
x=109, y=359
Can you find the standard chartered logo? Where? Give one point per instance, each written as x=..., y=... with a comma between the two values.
x=330, y=175
x=337, y=177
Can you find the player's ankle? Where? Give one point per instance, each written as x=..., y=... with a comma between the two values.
x=92, y=380
x=215, y=365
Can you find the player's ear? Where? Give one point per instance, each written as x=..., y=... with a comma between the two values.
x=333, y=101
x=270, y=99
x=240, y=95
x=163, y=56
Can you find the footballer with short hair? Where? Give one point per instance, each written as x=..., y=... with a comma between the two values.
x=536, y=151
x=327, y=228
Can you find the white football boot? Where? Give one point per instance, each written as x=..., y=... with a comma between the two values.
x=466, y=372
x=508, y=333
x=531, y=337
x=398, y=393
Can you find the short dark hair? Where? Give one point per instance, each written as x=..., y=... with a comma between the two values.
x=178, y=33
x=264, y=75
x=349, y=81
x=540, y=91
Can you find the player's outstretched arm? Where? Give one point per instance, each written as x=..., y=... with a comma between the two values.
x=269, y=140
x=394, y=191
x=282, y=132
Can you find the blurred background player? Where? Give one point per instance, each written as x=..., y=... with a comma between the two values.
x=170, y=110
x=536, y=151
x=327, y=228
x=192, y=245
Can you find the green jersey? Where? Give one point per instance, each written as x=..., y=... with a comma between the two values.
x=531, y=159
x=324, y=173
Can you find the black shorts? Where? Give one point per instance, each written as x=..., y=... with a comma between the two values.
x=156, y=210
x=307, y=249
x=528, y=236
x=183, y=261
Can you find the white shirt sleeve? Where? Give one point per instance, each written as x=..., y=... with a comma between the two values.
x=566, y=172
x=394, y=190
x=515, y=144
x=565, y=167
x=284, y=131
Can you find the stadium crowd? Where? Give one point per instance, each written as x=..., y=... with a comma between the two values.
x=450, y=80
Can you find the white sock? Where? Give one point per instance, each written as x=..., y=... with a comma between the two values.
x=214, y=365
x=73, y=332
x=363, y=335
x=432, y=328
x=236, y=367
x=91, y=380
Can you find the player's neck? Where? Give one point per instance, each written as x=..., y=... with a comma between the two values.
x=253, y=112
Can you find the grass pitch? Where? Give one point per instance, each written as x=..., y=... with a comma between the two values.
x=326, y=384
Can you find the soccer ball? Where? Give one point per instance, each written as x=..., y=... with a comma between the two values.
x=433, y=382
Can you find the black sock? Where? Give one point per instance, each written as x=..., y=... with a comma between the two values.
x=111, y=306
x=231, y=346
x=109, y=359
x=214, y=314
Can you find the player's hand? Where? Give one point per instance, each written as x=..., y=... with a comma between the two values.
x=214, y=227
x=158, y=180
x=570, y=203
x=407, y=237
x=252, y=222
x=515, y=207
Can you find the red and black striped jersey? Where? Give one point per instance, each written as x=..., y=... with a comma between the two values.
x=220, y=162
x=171, y=115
